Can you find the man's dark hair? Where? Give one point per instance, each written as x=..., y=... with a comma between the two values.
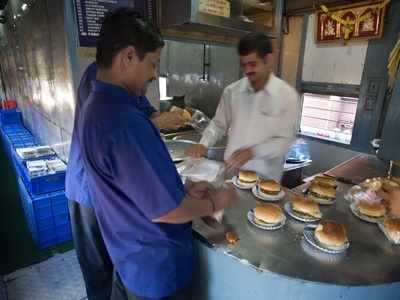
x=124, y=27
x=255, y=42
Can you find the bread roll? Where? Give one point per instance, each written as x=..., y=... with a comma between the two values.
x=331, y=234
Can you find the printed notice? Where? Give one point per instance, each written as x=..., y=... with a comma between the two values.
x=90, y=15
x=220, y=8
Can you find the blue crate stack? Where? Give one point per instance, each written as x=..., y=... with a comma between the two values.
x=43, y=197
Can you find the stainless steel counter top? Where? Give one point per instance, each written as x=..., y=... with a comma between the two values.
x=370, y=260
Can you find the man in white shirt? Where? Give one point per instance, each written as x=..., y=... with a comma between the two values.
x=258, y=113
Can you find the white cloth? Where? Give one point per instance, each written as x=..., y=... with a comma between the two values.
x=265, y=120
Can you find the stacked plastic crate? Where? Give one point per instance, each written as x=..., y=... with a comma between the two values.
x=42, y=195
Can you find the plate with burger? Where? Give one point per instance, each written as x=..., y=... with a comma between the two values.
x=268, y=190
x=323, y=195
x=329, y=236
x=390, y=226
x=267, y=216
x=370, y=212
x=303, y=209
x=245, y=180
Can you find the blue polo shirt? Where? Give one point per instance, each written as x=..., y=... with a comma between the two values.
x=76, y=187
x=133, y=180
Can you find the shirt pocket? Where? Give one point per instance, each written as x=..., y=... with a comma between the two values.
x=272, y=106
x=272, y=110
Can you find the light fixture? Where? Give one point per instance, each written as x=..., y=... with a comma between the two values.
x=24, y=6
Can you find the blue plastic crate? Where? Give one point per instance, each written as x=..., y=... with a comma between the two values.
x=64, y=233
x=47, y=216
x=10, y=116
x=39, y=184
x=14, y=128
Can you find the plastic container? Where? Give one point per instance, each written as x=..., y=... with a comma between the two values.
x=39, y=184
x=47, y=216
x=10, y=116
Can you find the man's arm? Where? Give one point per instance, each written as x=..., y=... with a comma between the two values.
x=143, y=171
x=220, y=123
x=191, y=207
x=215, y=130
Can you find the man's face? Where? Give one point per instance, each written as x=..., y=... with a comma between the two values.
x=141, y=72
x=254, y=67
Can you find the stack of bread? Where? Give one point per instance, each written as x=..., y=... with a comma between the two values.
x=322, y=189
x=184, y=113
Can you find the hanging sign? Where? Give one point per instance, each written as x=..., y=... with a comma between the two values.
x=361, y=21
x=220, y=8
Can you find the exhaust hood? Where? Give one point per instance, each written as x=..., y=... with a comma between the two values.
x=189, y=15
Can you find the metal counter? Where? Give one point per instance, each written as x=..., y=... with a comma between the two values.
x=370, y=260
x=360, y=167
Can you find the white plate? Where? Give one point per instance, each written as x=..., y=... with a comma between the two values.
x=365, y=218
x=289, y=210
x=308, y=234
x=242, y=186
x=271, y=198
x=382, y=227
x=250, y=218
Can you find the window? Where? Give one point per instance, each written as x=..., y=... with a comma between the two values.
x=162, y=86
x=328, y=117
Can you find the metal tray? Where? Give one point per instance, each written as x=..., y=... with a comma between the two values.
x=177, y=149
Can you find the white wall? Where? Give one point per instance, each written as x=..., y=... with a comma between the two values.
x=333, y=62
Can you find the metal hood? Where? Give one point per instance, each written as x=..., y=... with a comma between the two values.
x=184, y=15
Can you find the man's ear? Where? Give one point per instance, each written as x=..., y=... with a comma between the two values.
x=128, y=56
x=269, y=58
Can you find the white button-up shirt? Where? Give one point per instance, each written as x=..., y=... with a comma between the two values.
x=265, y=120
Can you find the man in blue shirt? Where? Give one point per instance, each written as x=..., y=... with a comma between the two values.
x=140, y=203
x=92, y=255
x=93, y=258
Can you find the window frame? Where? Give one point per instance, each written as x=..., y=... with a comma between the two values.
x=330, y=89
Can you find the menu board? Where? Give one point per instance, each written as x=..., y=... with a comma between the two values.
x=90, y=15
x=220, y=8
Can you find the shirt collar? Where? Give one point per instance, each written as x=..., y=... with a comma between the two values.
x=119, y=93
x=269, y=87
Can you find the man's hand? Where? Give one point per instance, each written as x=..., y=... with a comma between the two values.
x=223, y=197
x=199, y=189
x=168, y=121
x=196, y=151
x=239, y=158
x=392, y=198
